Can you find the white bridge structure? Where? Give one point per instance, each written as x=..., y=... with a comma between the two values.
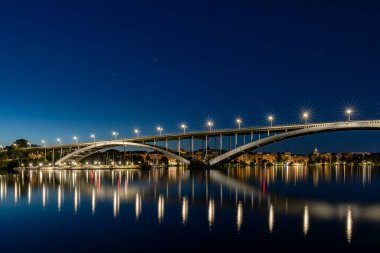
x=226, y=144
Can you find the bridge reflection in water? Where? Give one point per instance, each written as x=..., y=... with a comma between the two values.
x=272, y=191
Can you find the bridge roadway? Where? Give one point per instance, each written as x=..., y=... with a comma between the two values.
x=213, y=133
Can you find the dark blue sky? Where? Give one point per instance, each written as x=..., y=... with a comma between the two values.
x=80, y=67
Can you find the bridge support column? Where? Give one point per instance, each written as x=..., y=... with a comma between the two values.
x=235, y=140
x=166, y=144
x=53, y=158
x=251, y=136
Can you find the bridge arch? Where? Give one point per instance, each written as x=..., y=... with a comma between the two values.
x=331, y=127
x=93, y=148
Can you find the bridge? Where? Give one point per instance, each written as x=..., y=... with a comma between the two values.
x=216, y=146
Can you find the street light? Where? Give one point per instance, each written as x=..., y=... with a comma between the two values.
x=238, y=121
x=93, y=137
x=137, y=132
x=160, y=129
x=305, y=116
x=270, y=119
x=29, y=144
x=43, y=143
x=60, y=141
x=75, y=139
x=349, y=111
x=210, y=124
x=115, y=134
x=184, y=126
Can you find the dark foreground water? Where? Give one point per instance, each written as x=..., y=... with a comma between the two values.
x=177, y=210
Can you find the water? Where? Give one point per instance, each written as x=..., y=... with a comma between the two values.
x=175, y=209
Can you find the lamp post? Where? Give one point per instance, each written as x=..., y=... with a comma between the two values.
x=160, y=129
x=210, y=124
x=137, y=132
x=270, y=119
x=305, y=116
x=93, y=137
x=75, y=138
x=115, y=134
x=59, y=141
x=29, y=144
x=349, y=111
x=238, y=121
x=184, y=126
x=44, y=144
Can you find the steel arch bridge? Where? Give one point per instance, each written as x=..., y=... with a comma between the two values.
x=272, y=134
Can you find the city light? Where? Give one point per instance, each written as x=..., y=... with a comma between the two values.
x=305, y=116
x=184, y=126
x=349, y=112
x=29, y=144
x=238, y=121
x=160, y=129
x=210, y=124
x=270, y=119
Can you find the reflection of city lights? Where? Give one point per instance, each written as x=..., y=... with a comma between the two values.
x=76, y=199
x=211, y=212
x=306, y=220
x=93, y=201
x=29, y=194
x=161, y=208
x=116, y=204
x=138, y=206
x=43, y=195
x=59, y=198
x=271, y=218
x=349, y=223
x=185, y=210
x=239, y=216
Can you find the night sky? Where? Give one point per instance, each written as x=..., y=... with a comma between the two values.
x=81, y=67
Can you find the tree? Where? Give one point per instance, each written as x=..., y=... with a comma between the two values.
x=21, y=143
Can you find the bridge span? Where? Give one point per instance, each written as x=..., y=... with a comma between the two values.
x=225, y=142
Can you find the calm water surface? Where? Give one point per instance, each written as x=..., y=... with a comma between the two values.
x=174, y=209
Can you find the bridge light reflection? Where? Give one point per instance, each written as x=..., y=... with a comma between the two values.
x=239, y=215
x=349, y=223
x=93, y=202
x=306, y=220
x=271, y=218
x=185, y=210
x=59, y=198
x=211, y=213
x=161, y=208
x=138, y=206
